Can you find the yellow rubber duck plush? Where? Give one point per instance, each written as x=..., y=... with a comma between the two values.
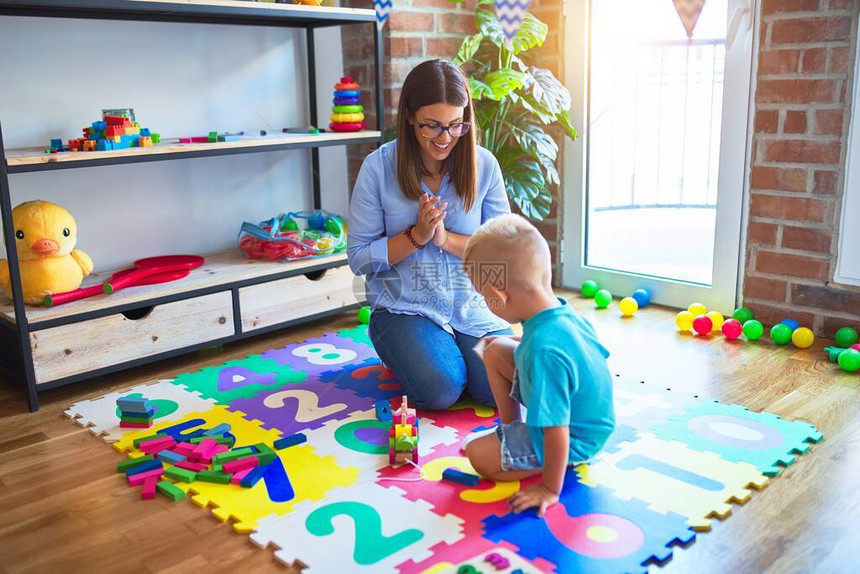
x=45, y=236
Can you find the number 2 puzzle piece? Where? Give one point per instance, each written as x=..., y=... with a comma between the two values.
x=239, y=379
x=740, y=435
x=171, y=402
x=321, y=354
x=673, y=478
x=593, y=531
x=302, y=406
x=368, y=379
x=372, y=528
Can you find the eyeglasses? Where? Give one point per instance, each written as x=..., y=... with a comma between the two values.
x=433, y=131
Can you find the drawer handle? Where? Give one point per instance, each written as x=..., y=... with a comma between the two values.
x=139, y=313
x=316, y=275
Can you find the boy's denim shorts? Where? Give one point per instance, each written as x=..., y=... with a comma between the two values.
x=518, y=452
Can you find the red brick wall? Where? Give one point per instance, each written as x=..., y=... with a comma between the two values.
x=419, y=30
x=802, y=112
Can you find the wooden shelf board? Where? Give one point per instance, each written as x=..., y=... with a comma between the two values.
x=20, y=157
x=221, y=268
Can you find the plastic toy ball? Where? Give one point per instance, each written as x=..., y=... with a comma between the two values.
x=603, y=298
x=703, y=325
x=717, y=319
x=364, y=315
x=697, y=309
x=753, y=330
x=732, y=329
x=642, y=297
x=846, y=336
x=802, y=338
x=684, y=320
x=791, y=323
x=628, y=306
x=742, y=314
x=849, y=360
x=589, y=288
x=780, y=334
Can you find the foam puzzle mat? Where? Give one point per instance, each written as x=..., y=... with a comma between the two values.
x=673, y=465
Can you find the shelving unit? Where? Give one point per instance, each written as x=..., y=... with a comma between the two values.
x=230, y=297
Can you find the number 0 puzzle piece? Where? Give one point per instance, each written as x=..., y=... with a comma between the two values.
x=372, y=528
x=171, y=402
x=738, y=434
x=673, y=478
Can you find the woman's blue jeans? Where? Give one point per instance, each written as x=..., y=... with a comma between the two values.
x=433, y=366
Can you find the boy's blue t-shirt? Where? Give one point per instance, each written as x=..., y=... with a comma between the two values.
x=564, y=380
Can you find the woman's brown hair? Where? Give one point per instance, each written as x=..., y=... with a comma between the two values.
x=436, y=82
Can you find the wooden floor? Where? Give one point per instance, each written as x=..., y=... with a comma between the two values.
x=63, y=508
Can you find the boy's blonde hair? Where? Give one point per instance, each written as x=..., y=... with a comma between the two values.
x=512, y=242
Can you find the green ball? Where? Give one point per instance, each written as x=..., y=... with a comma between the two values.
x=849, y=360
x=364, y=315
x=846, y=336
x=780, y=334
x=742, y=314
x=589, y=288
x=753, y=330
x=603, y=298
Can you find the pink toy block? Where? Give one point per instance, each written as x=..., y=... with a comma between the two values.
x=155, y=445
x=148, y=490
x=203, y=450
x=219, y=448
x=192, y=466
x=123, y=424
x=139, y=478
x=241, y=464
x=237, y=478
x=184, y=448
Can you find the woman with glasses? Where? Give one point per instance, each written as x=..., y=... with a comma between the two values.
x=416, y=202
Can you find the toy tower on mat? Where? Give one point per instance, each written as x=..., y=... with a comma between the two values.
x=403, y=435
x=348, y=113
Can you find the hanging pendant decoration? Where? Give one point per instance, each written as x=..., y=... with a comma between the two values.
x=383, y=8
x=689, y=12
x=511, y=14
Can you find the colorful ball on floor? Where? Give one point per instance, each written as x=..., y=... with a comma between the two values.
x=642, y=297
x=791, y=323
x=697, y=309
x=703, y=325
x=753, y=330
x=732, y=329
x=603, y=298
x=364, y=315
x=846, y=336
x=684, y=320
x=802, y=338
x=780, y=334
x=849, y=360
x=628, y=306
x=742, y=314
x=717, y=320
x=589, y=288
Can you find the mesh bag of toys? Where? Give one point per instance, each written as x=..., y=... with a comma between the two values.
x=294, y=235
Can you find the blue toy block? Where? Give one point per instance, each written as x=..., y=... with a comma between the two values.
x=134, y=405
x=121, y=145
x=222, y=428
x=383, y=411
x=100, y=125
x=149, y=465
x=170, y=456
x=254, y=476
x=454, y=475
x=105, y=145
x=136, y=415
x=228, y=138
x=289, y=441
x=145, y=132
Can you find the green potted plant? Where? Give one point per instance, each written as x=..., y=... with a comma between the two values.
x=515, y=104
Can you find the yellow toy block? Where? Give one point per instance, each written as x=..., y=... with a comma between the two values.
x=134, y=130
x=145, y=141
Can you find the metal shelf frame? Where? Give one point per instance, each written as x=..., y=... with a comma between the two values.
x=17, y=336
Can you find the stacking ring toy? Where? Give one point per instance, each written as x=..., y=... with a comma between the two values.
x=346, y=85
x=347, y=93
x=347, y=110
x=348, y=127
x=347, y=118
x=346, y=101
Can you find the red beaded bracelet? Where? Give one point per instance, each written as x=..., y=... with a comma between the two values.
x=408, y=233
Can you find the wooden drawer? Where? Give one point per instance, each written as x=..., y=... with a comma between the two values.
x=292, y=298
x=89, y=345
